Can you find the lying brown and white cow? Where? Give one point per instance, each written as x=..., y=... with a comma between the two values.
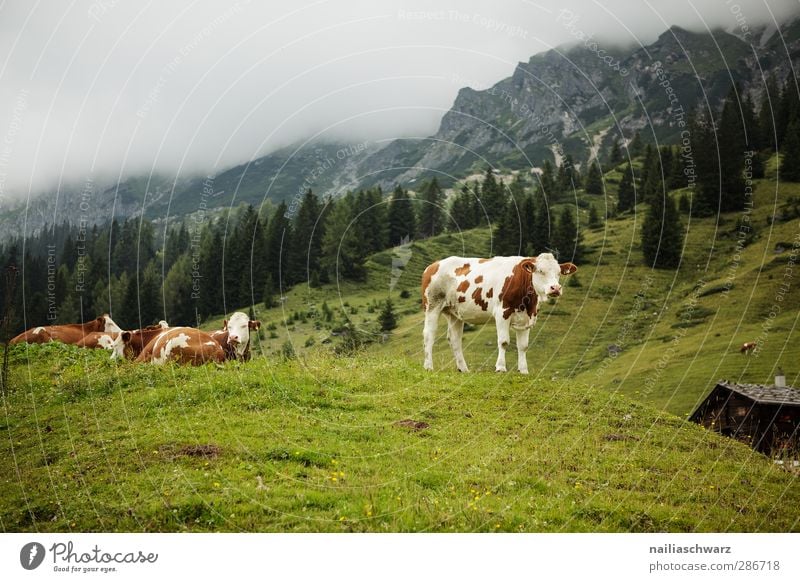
x=504, y=289
x=98, y=340
x=70, y=333
x=234, y=337
x=185, y=345
x=129, y=344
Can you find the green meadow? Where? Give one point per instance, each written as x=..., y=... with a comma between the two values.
x=334, y=426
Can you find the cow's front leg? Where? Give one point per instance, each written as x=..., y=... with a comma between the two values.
x=522, y=347
x=503, y=338
x=455, y=330
x=429, y=334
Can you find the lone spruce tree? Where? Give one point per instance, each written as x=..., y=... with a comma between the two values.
x=662, y=235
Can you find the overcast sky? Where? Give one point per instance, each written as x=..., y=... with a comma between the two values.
x=111, y=88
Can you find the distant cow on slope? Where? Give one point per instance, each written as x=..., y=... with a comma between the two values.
x=70, y=333
x=185, y=345
x=747, y=348
x=234, y=337
x=506, y=289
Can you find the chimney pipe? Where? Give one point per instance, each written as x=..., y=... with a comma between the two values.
x=780, y=379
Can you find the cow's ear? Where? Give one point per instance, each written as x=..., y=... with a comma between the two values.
x=126, y=336
x=567, y=268
x=529, y=265
x=254, y=324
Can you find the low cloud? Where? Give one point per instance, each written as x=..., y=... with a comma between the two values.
x=110, y=89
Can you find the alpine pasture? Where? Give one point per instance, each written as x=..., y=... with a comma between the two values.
x=334, y=430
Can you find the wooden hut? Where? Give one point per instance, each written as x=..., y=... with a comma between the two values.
x=765, y=417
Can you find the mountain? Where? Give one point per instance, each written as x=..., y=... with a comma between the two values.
x=569, y=100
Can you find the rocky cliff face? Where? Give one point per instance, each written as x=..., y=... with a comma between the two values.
x=576, y=100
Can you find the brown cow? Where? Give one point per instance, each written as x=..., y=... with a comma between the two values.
x=129, y=344
x=507, y=290
x=98, y=339
x=185, y=345
x=747, y=348
x=234, y=337
x=70, y=333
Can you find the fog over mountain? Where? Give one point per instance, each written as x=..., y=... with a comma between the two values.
x=106, y=89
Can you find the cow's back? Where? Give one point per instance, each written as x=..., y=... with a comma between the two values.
x=96, y=339
x=469, y=287
x=184, y=345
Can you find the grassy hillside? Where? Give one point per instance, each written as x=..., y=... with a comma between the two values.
x=301, y=439
x=318, y=444
x=678, y=331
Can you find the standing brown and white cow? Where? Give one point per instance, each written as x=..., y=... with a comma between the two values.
x=186, y=345
x=70, y=333
x=234, y=337
x=504, y=289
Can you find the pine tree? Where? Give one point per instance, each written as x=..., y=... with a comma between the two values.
x=507, y=239
x=790, y=154
x=278, y=242
x=387, y=318
x=567, y=239
x=494, y=197
x=431, y=214
x=547, y=180
x=662, y=235
x=462, y=215
x=731, y=140
x=635, y=147
x=594, y=217
x=706, y=200
x=369, y=220
x=770, y=101
x=542, y=228
x=627, y=192
x=788, y=108
x=179, y=307
x=402, y=221
x=652, y=182
x=205, y=286
x=342, y=254
x=269, y=293
x=616, y=154
x=308, y=230
x=594, y=180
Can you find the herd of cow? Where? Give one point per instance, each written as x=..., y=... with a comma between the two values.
x=507, y=290
x=156, y=343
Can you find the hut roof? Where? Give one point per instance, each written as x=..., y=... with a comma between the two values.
x=765, y=394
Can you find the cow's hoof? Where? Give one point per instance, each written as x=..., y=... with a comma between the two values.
x=428, y=367
x=524, y=372
x=464, y=371
x=500, y=370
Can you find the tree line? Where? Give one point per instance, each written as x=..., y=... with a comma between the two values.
x=191, y=271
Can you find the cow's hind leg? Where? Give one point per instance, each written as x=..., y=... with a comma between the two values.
x=429, y=334
x=503, y=339
x=522, y=347
x=455, y=331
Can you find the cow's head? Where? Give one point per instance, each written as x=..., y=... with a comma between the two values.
x=109, y=325
x=238, y=328
x=545, y=272
x=120, y=345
